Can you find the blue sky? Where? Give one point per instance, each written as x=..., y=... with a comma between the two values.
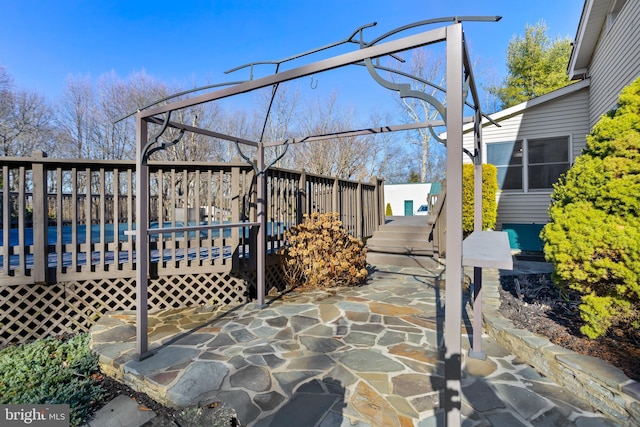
x=191, y=43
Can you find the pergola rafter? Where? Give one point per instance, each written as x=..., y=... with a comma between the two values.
x=460, y=81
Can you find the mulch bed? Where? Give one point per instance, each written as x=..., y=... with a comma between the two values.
x=533, y=302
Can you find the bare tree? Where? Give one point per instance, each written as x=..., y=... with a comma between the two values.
x=77, y=121
x=490, y=102
x=277, y=111
x=116, y=98
x=238, y=123
x=344, y=157
x=25, y=119
x=428, y=66
x=390, y=160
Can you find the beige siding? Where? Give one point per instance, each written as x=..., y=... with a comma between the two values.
x=567, y=115
x=523, y=208
x=616, y=60
x=558, y=117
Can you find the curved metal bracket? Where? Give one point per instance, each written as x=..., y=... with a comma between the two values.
x=436, y=137
x=278, y=62
x=266, y=168
x=274, y=161
x=405, y=91
x=154, y=138
x=175, y=95
x=454, y=19
x=147, y=151
x=166, y=145
x=246, y=158
x=471, y=155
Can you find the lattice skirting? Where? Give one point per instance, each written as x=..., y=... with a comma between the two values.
x=36, y=311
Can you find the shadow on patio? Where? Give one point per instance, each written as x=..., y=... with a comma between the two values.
x=365, y=356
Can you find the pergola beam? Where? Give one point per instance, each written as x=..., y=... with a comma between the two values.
x=311, y=138
x=368, y=131
x=457, y=62
x=200, y=131
x=395, y=46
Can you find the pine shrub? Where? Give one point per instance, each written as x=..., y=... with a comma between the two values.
x=388, y=211
x=319, y=253
x=489, y=204
x=51, y=371
x=593, y=238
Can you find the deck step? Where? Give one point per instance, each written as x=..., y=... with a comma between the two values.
x=400, y=246
x=421, y=229
x=379, y=258
x=417, y=235
x=402, y=241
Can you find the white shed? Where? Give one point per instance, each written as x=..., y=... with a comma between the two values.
x=405, y=199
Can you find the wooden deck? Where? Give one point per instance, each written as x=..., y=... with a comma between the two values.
x=67, y=254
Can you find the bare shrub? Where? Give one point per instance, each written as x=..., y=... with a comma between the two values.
x=319, y=253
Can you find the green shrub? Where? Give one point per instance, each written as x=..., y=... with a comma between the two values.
x=489, y=190
x=593, y=238
x=51, y=371
x=320, y=253
x=388, y=211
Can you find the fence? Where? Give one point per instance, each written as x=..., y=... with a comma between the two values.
x=68, y=251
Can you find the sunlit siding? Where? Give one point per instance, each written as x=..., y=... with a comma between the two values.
x=523, y=208
x=562, y=116
x=616, y=60
x=567, y=115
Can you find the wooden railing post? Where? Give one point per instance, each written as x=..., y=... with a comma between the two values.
x=39, y=218
x=253, y=214
x=335, y=197
x=359, y=211
x=235, y=215
x=380, y=204
x=301, y=197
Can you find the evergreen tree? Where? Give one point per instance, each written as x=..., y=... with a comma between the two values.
x=414, y=177
x=536, y=65
x=594, y=234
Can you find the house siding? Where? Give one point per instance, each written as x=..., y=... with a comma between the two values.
x=616, y=61
x=523, y=208
x=564, y=116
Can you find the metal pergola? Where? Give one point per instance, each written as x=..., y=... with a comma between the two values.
x=459, y=83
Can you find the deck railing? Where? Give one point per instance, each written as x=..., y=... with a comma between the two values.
x=73, y=219
x=67, y=251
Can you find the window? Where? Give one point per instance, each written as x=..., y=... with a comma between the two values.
x=530, y=164
x=614, y=11
x=507, y=157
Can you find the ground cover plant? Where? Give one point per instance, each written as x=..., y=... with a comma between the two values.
x=319, y=252
x=52, y=371
x=593, y=238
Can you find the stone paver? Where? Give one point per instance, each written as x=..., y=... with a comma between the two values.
x=364, y=356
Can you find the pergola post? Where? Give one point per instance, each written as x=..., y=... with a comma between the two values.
x=456, y=62
x=142, y=239
x=261, y=246
x=453, y=275
x=476, y=350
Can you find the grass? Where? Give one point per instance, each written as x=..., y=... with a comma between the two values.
x=51, y=371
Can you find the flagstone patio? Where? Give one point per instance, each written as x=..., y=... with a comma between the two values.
x=364, y=356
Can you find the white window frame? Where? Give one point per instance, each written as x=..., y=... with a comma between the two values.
x=525, y=159
x=613, y=13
